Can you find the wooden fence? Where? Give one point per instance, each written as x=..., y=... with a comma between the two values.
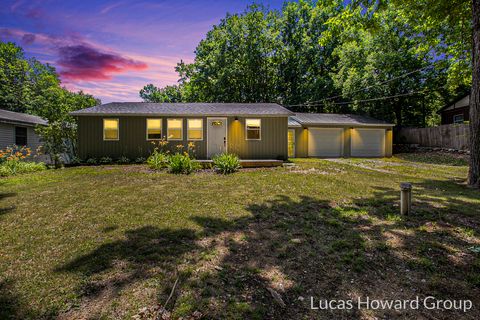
x=450, y=136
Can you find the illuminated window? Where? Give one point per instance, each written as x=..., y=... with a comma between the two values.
x=154, y=129
x=110, y=129
x=175, y=129
x=195, y=129
x=253, y=128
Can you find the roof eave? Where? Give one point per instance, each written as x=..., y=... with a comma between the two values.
x=349, y=124
x=116, y=114
x=23, y=123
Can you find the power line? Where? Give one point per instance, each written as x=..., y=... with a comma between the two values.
x=364, y=100
x=312, y=103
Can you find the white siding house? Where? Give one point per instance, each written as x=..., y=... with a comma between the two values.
x=19, y=129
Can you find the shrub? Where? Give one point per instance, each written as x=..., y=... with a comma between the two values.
x=91, y=161
x=11, y=167
x=157, y=160
x=226, y=163
x=182, y=163
x=140, y=160
x=4, y=172
x=123, y=160
x=75, y=161
x=105, y=160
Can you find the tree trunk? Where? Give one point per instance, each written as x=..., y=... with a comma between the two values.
x=474, y=171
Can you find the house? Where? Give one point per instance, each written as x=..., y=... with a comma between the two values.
x=457, y=112
x=250, y=130
x=19, y=129
x=330, y=135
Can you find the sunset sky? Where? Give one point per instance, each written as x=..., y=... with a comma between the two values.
x=111, y=49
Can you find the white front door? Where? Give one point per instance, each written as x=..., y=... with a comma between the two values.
x=216, y=136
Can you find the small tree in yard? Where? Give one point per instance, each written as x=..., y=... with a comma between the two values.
x=55, y=137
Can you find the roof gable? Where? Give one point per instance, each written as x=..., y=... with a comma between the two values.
x=461, y=103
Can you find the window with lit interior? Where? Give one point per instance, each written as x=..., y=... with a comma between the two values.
x=253, y=128
x=154, y=129
x=175, y=129
x=110, y=129
x=195, y=129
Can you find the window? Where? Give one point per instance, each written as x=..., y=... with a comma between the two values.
x=154, y=129
x=253, y=127
x=110, y=129
x=195, y=129
x=175, y=129
x=20, y=136
x=458, y=118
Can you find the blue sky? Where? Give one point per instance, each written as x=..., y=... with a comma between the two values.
x=111, y=49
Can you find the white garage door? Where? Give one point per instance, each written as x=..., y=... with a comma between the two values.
x=325, y=142
x=368, y=142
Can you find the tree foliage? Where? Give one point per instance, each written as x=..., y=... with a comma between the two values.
x=28, y=86
x=312, y=50
x=151, y=93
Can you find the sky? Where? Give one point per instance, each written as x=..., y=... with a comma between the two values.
x=111, y=49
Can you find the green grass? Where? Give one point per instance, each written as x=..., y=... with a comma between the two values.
x=107, y=241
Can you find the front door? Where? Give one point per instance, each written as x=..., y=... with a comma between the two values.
x=216, y=136
x=291, y=143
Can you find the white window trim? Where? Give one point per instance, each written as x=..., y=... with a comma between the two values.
x=181, y=128
x=161, y=128
x=188, y=128
x=118, y=129
x=260, y=129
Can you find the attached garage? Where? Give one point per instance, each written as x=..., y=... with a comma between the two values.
x=368, y=142
x=327, y=135
x=325, y=142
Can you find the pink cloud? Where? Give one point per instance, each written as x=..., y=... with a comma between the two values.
x=83, y=62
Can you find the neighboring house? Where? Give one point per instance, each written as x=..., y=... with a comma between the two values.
x=458, y=112
x=19, y=129
x=250, y=130
x=330, y=135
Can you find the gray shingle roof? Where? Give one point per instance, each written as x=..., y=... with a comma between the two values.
x=306, y=119
x=185, y=109
x=17, y=117
x=293, y=123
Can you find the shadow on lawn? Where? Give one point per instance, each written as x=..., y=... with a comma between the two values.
x=303, y=248
x=4, y=210
x=11, y=306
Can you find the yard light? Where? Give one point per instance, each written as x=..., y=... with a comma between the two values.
x=405, y=198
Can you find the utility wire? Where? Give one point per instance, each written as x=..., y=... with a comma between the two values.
x=365, y=100
x=313, y=103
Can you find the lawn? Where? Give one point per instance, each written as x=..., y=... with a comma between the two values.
x=118, y=241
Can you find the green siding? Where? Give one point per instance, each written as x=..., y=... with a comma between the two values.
x=133, y=143
x=273, y=143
